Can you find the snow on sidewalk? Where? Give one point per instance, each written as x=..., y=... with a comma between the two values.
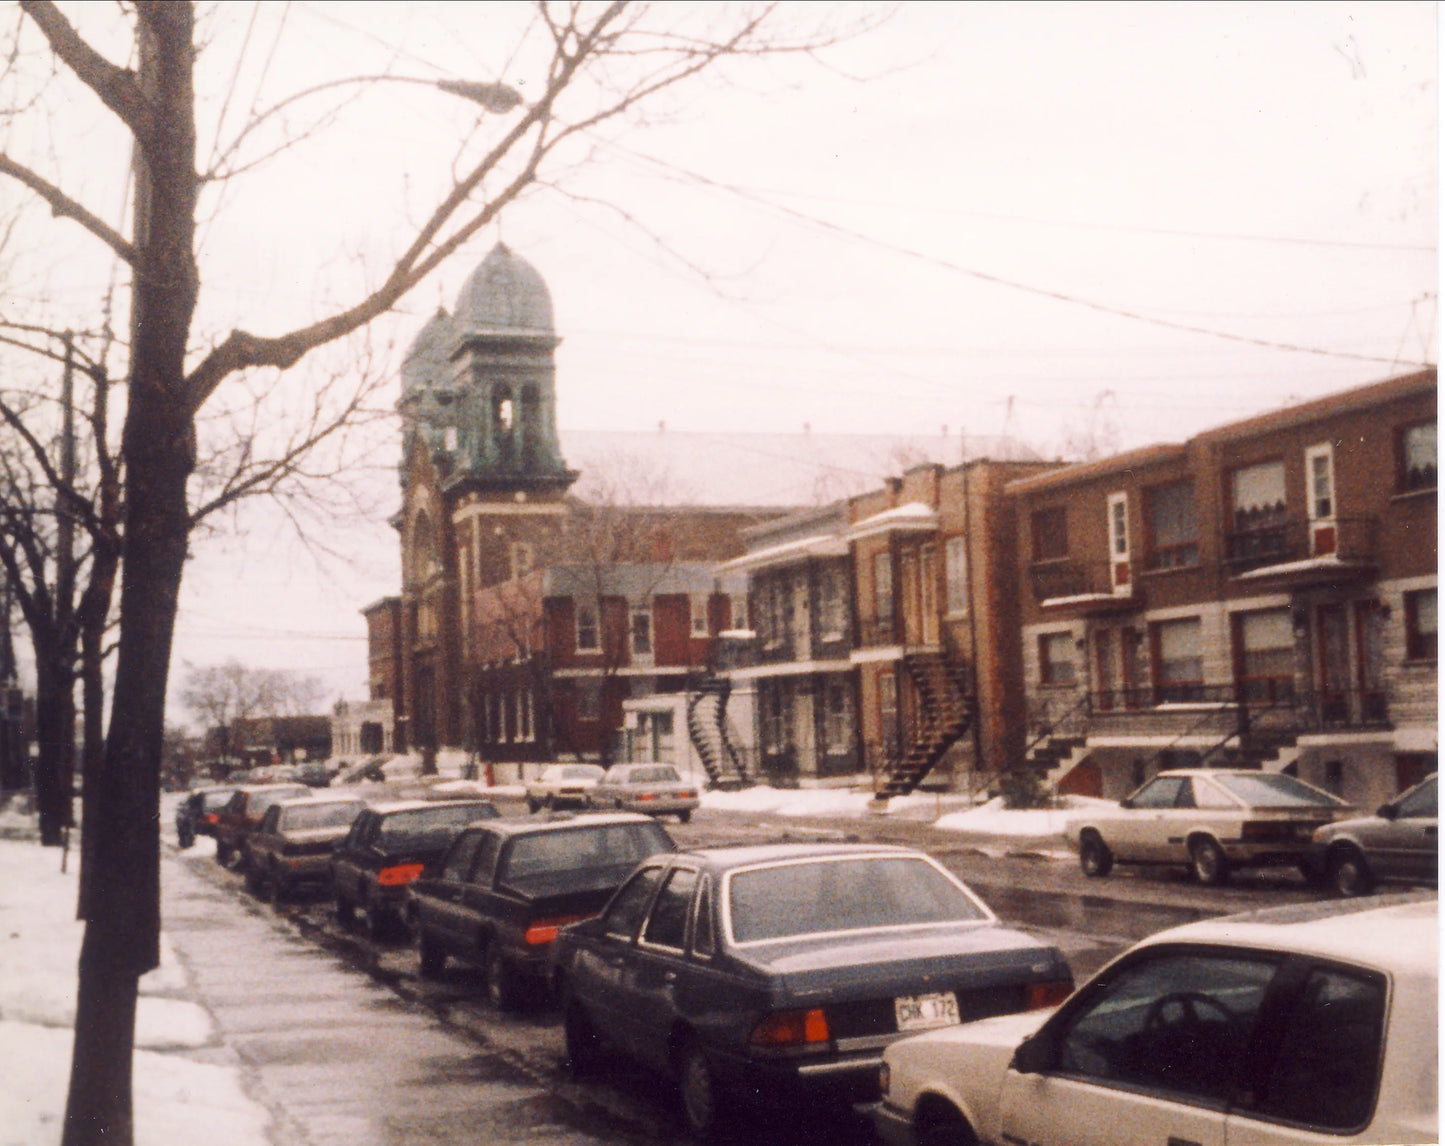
x=178, y=1098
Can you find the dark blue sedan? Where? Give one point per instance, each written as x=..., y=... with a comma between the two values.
x=779, y=972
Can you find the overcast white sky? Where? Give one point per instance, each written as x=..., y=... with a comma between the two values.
x=994, y=217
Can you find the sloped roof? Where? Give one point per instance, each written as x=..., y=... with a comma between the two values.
x=772, y=469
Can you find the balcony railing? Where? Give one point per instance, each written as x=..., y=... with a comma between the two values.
x=1347, y=539
x=873, y=632
x=1256, y=705
x=1083, y=581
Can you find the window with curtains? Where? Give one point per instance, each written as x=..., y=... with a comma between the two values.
x=1258, y=512
x=1173, y=526
x=1417, y=457
x=955, y=560
x=1056, y=659
x=838, y=717
x=1265, y=654
x=1178, y=661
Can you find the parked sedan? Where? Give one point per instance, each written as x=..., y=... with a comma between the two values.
x=388, y=847
x=1210, y=819
x=243, y=812
x=781, y=972
x=196, y=815
x=293, y=844
x=1299, y=1025
x=653, y=789
x=563, y=786
x=1400, y=841
x=505, y=888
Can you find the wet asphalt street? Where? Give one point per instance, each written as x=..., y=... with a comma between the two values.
x=346, y=1045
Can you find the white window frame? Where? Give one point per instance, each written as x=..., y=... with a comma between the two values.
x=1324, y=450
x=1118, y=525
x=592, y=611
x=955, y=562
x=697, y=603
x=641, y=613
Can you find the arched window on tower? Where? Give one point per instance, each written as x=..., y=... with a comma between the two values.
x=504, y=422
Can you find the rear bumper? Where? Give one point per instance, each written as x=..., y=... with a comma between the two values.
x=893, y=1127
x=844, y=1079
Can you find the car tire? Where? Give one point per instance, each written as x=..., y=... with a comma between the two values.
x=1350, y=872
x=223, y=853
x=954, y=1132
x=185, y=838
x=345, y=911
x=584, y=1045
x=684, y=816
x=380, y=925
x=253, y=883
x=1095, y=858
x=431, y=957
x=279, y=889
x=532, y=805
x=699, y=1094
x=504, y=984
x=1208, y=862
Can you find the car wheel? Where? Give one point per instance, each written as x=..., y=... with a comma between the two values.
x=550, y=803
x=1207, y=861
x=584, y=1045
x=698, y=1092
x=432, y=958
x=185, y=838
x=954, y=1132
x=532, y=805
x=1095, y=858
x=504, y=986
x=379, y=923
x=253, y=882
x=684, y=816
x=1350, y=872
x=345, y=912
x=223, y=853
x=279, y=889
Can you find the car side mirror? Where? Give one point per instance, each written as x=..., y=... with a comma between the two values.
x=1034, y=1055
x=1388, y=811
x=1126, y=802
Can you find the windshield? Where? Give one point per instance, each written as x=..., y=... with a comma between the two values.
x=592, y=849
x=580, y=772
x=1273, y=790
x=429, y=827
x=260, y=801
x=826, y=895
x=329, y=814
x=661, y=775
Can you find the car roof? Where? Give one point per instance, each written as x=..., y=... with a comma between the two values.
x=520, y=827
x=1398, y=933
x=249, y=788
x=320, y=798
x=748, y=855
x=1217, y=772
x=392, y=807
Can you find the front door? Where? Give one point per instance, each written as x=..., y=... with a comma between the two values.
x=802, y=618
x=928, y=593
x=1369, y=645
x=805, y=740
x=912, y=629
x=1106, y=674
x=1334, y=664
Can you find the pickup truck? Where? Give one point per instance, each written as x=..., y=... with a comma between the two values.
x=507, y=886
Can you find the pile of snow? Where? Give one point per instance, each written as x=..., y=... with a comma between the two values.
x=819, y=801
x=994, y=819
x=39, y=950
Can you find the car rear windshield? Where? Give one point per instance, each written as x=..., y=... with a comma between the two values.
x=1272, y=790
x=829, y=895
x=429, y=827
x=580, y=772
x=210, y=801
x=584, y=855
x=304, y=817
x=652, y=776
x=260, y=801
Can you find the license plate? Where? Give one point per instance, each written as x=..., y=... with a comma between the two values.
x=924, y=1012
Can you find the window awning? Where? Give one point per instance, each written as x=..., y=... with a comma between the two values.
x=818, y=545
x=915, y=517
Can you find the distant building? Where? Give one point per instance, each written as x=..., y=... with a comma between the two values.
x=1264, y=594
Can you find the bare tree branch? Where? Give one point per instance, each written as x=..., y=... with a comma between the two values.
x=64, y=207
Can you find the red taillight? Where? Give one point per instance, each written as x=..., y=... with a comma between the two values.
x=646, y=796
x=1047, y=994
x=402, y=873
x=689, y=795
x=791, y=1028
x=212, y=818
x=545, y=930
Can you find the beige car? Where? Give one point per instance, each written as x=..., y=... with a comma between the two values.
x=1209, y=819
x=563, y=786
x=1297, y=1025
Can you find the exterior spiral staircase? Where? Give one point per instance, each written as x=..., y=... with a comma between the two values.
x=946, y=711
x=707, y=726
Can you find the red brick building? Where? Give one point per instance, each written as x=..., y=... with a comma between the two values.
x=1264, y=593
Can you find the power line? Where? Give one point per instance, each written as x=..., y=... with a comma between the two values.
x=1013, y=284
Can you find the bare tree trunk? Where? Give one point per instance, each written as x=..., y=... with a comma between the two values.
x=122, y=935
x=55, y=734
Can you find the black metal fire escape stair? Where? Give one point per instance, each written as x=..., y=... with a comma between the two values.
x=707, y=727
x=945, y=712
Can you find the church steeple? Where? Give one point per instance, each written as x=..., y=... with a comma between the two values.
x=479, y=386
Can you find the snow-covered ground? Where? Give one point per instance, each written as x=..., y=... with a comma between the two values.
x=179, y=1097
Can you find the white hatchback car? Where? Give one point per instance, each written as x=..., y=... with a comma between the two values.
x=1307, y=1024
x=1211, y=819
